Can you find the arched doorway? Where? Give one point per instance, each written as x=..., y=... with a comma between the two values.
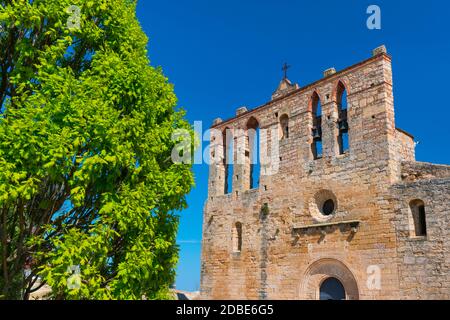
x=332, y=289
x=319, y=279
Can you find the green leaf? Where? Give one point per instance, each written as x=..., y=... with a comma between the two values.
x=84, y=143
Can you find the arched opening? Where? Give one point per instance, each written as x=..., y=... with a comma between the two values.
x=253, y=153
x=418, y=213
x=314, y=281
x=316, y=146
x=237, y=237
x=228, y=159
x=343, y=139
x=332, y=289
x=284, y=126
x=341, y=96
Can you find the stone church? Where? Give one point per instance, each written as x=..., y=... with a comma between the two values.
x=340, y=211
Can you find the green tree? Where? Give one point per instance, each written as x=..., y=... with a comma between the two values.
x=86, y=176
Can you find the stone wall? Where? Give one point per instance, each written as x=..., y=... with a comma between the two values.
x=424, y=262
x=288, y=245
x=405, y=146
x=413, y=171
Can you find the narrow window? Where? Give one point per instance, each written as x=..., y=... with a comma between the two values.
x=318, y=152
x=341, y=95
x=343, y=142
x=228, y=146
x=253, y=156
x=419, y=217
x=316, y=146
x=284, y=125
x=237, y=237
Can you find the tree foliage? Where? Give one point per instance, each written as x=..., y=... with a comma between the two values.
x=86, y=177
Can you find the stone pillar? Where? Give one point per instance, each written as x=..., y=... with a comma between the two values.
x=216, y=185
x=241, y=179
x=330, y=130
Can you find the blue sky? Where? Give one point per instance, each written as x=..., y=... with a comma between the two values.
x=221, y=55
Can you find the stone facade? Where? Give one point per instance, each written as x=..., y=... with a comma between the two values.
x=356, y=215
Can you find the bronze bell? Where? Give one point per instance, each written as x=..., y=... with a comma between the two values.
x=316, y=133
x=343, y=125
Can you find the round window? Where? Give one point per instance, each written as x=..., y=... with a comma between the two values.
x=328, y=207
x=324, y=205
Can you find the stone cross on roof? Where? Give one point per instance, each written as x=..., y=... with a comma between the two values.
x=285, y=85
x=285, y=69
